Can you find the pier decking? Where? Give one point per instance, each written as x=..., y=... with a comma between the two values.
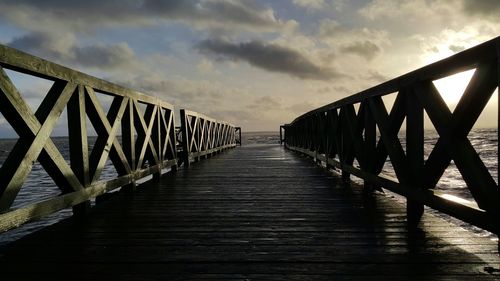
x=250, y=213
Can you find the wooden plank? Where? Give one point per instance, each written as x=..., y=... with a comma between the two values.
x=433, y=199
x=259, y=219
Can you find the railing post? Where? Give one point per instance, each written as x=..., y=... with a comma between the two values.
x=414, y=154
x=185, y=138
x=345, y=152
x=78, y=152
x=238, y=130
x=282, y=128
x=128, y=141
x=370, y=144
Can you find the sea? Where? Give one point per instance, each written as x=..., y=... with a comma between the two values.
x=39, y=185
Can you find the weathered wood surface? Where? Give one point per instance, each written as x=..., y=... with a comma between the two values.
x=80, y=180
x=253, y=213
x=204, y=136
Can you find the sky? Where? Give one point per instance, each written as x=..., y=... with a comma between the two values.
x=256, y=64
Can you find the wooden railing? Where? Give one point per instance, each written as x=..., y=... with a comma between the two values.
x=147, y=145
x=337, y=135
x=204, y=136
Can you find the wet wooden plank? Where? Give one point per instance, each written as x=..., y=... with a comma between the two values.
x=255, y=212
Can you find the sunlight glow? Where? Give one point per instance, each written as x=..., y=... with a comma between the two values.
x=458, y=200
x=452, y=87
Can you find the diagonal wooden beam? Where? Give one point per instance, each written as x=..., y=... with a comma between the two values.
x=396, y=118
x=468, y=110
x=479, y=181
x=147, y=142
x=201, y=132
x=164, y=133
x=171, y=142
x=106, y=143
x=34, y=138
x=195, y=121
x=351, y=126
x=391, y=141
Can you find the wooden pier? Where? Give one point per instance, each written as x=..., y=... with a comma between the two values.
x=251, y=213
x=212, y=210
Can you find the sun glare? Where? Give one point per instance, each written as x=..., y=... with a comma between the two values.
x=452, y=87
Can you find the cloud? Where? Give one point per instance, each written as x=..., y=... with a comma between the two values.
x=489, y=8
x=87, y=15
x=375, y=76
x=329, y=28
x=302, y=107
x=205, y=66
x=45, y=44
x=265, y=103
x=365, y=49
x=103, y=56
x=270, y=57
x=310, y=4
x=63, y=48
x=317, y=5
x=456, y=48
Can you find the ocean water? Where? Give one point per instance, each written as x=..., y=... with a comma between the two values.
x=40, y=186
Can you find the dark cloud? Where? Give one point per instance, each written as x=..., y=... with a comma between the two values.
x=365, y=49
x=43, y=44
x=482, y=7
x=270, y=57
x=93, y=13
x=103, y=56
x=63, y=49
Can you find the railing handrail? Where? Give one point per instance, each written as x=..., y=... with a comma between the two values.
x=198, y=140
x=22, y=62
x=337, y=134
x=201, y=115
x=459, y=62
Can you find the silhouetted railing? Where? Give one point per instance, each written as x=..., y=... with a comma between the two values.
x=204, y=136
x=338, y=135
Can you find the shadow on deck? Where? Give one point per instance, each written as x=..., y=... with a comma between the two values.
x=256, y=212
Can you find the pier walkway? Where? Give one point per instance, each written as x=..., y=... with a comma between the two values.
x=251, y=213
